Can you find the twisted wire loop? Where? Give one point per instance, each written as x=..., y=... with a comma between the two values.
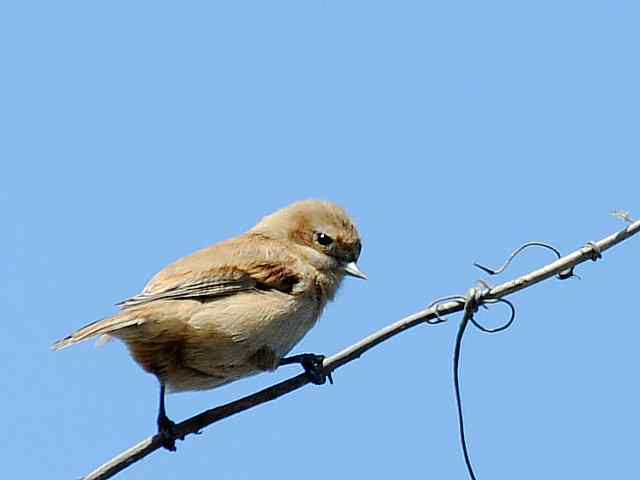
x=596, y=252
x=472, y=302
x=563, y=275
x=436, y=304
x=501, y=327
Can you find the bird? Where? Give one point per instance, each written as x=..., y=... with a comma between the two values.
x=238, y=307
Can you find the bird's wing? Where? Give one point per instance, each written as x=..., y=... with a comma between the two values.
x=240, y=264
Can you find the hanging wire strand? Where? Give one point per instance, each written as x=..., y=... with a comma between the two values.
x=473, y=301
x=470, y=307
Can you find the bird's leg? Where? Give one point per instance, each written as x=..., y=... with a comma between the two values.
x=166, y=427
x=312, y=365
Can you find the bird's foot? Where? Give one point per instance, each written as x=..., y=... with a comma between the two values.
x=167, y=433
x=313, y=367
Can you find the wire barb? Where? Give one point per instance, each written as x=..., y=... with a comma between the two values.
x=623, y=215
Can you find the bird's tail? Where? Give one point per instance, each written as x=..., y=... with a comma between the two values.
x=100, y=327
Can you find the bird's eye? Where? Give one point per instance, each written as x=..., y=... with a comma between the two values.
x=323, y=239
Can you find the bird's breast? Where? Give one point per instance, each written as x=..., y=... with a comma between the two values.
x=257, y=319
x=286, y=323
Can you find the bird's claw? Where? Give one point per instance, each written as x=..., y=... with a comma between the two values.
x=167, y=433
x=314, y=369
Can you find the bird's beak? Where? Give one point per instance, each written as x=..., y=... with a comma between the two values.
x=352, y=269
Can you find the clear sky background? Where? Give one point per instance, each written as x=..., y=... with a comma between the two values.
x=134, y=133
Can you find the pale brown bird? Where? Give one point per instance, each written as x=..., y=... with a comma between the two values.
x=238, y=307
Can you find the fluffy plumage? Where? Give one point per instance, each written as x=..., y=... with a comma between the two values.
x=238, y=307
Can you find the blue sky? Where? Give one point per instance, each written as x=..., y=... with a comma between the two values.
x=134, y=133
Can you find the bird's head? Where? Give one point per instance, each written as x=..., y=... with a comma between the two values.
x=323, y=228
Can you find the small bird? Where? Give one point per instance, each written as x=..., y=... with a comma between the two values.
x=238, y=307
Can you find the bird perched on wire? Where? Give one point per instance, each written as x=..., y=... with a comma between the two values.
x=238, y=307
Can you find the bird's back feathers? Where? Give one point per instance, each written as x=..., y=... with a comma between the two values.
x=223, y=269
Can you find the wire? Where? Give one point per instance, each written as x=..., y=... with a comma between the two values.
x=469, y=309
x=472, y=302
